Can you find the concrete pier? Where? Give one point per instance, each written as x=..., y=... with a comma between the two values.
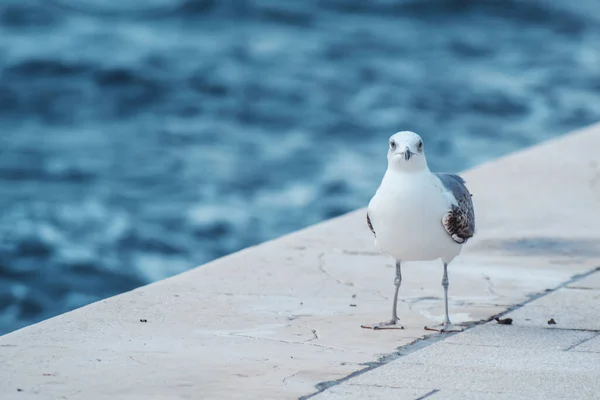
x=282, y=319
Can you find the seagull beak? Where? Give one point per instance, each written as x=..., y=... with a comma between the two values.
x=407, y=153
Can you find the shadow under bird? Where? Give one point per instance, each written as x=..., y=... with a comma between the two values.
x=418, y=215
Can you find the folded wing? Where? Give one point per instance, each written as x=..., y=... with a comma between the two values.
x=459, y=221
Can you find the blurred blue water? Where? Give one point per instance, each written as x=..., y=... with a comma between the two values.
x=141, y=139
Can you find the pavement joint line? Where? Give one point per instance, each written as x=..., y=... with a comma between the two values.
x=427, y=341
x=576, y=330
x=429, y=394
x=582, y=341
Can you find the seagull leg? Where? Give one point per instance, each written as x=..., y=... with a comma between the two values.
x=394, y=323
x=447, y=326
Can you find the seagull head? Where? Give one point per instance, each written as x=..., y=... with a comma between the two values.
x=406, y=152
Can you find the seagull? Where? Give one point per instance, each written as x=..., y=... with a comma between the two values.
x=418, y=215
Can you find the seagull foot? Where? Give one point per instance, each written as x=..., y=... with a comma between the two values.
x=393, y=324
x=444, y=328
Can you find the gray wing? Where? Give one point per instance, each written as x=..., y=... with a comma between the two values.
x=459, y=221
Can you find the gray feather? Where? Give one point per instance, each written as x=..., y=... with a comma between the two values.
x=455, y=184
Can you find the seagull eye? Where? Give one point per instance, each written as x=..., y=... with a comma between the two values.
x=392, y=144
x=420, y=146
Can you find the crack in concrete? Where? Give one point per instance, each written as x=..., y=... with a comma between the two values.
x=313, y=331
x=491, y=285
x=324, y=271
x=430, y=393
x=388, y=387
x=413, y=300
x=304, y=342
x=137, y=361
x=361, y=253
x=290, y=376
x=322, y=267
x=426, y=395
x=379, y=294
x=427, y=341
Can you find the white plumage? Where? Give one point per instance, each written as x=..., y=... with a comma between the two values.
x=407, y=210
x=417, y=215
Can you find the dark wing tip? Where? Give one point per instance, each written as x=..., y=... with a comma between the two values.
x=370, y=224
x=459, y=224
